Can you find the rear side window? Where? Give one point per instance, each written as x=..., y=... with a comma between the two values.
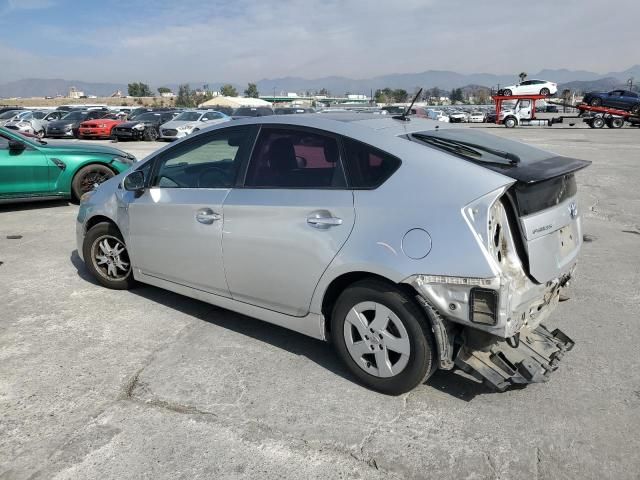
x=284, y=158
x=367, y=166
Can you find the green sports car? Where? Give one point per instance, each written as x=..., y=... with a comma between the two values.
x=31, y=169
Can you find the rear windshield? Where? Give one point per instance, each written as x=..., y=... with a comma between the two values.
x=525, y=153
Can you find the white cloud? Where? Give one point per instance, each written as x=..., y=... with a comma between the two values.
x=247, y=40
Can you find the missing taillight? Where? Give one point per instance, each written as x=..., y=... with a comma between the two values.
x=483, y=306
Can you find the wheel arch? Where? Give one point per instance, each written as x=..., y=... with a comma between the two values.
x=343, y=281
x=96, y=219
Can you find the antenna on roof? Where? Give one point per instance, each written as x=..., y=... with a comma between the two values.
x=404, y=117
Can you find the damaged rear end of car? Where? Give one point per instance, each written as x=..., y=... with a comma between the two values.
x=530, y=234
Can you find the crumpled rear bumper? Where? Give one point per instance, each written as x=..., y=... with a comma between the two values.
x=529, y=357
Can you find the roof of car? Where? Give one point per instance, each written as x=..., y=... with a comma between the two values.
x=340, y=121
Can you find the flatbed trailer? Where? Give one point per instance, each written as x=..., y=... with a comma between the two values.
x=597, y=117
x=524, y=113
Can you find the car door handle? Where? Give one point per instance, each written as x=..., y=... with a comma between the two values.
x=207, y=216
x=323, y=221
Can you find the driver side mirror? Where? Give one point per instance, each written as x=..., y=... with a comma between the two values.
x=16, y=147
x=134, y=182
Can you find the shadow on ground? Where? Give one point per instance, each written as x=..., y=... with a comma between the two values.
x=32, y=205
x=454, y=383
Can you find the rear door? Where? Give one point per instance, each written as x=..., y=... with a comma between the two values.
x=175, y=226
x=288, y=222
x=22, y=172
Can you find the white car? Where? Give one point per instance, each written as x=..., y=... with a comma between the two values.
x=458, y=117
x=531, y=87
x=438, y=115
x=190, y=121
x=476, y=117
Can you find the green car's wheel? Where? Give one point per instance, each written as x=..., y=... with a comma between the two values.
x=88, y=177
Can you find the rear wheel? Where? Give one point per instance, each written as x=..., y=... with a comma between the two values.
x=106, y=257
x=616, y=122
x=595, y=102
x=506, y=92
x=383, y=337
x=597, y=122
x=636, y=109
x=545, y=91
x=88, y=177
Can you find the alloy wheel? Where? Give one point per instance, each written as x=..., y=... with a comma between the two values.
x=110, y=258
x=93, y=178
x=376, y=339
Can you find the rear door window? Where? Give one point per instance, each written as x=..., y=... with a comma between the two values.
x=290, y=158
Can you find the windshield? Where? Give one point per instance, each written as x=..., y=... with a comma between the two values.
x=75, y=116
x=148, y=117
x=8, y=114
x=188, y=117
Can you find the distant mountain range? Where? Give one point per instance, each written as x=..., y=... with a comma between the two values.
x=445, y=80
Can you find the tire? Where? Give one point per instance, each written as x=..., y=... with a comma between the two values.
x=85, y=179
x=598, y=122
x=150, y=135
x=595, y=102
x=545, y=91
x=94, y=250
x=510, y=122
x=404, y=326
x=40, y=134
x=507, y=93
x=616, y=122
x=635, y=110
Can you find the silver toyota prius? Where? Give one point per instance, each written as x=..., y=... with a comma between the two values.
x=410, y=244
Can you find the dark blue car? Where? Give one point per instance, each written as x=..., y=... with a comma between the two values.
x=621, y=99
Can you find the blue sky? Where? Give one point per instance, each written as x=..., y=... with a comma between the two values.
x=247, y=40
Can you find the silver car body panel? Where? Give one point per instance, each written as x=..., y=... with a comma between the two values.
x=278, y=267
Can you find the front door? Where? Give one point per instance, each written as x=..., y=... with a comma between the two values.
x=23, y=172
x=283, y=229
x=175, y=226
x=524, y=109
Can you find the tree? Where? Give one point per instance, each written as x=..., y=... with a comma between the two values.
x=139, y=89
x=456, y=95
x=324, y=92
x=162, y=90
x=251, y=91
x=186, y=96
x=228, y=90
x=522, y=76
x=400, y=95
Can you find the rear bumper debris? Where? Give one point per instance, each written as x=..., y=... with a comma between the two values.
x=529, y=357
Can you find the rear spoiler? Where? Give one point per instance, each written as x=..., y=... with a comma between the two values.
x=546, y=169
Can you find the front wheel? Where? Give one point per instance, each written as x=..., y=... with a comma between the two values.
x=150, y=135
x=595, y=102
x=382, y=336
x=597, y=122
x=106, y=257
x=510, y=122
x=545, y=91
x=635, y=110
x=506, y=92
x=88, y=177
